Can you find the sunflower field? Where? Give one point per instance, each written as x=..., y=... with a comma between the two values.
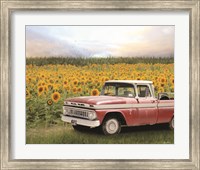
x=48, y=85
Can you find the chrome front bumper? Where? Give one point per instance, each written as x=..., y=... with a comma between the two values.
x=78, y=121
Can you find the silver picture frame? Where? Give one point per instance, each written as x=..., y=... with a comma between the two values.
x=193, y=6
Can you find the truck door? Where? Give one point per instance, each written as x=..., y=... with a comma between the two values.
x=147, y=106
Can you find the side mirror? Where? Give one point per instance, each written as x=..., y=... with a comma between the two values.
x=137, y=98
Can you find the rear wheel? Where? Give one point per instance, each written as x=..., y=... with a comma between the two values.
x=171, y=124
x=111, y=126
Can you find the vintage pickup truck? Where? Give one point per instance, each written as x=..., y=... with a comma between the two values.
x=121, y=103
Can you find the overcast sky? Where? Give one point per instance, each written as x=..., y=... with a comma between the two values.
x=99, y=41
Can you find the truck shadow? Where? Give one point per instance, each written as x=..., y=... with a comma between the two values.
x=124, y=130
x=145, y=128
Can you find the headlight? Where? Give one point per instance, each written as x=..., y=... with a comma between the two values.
x=91, y=115
x=67, y=111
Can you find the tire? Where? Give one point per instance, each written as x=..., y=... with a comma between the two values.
x=111, y=126
x=171, y=124
x=80, y=128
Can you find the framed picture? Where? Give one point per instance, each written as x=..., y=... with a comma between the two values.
x=120, y=40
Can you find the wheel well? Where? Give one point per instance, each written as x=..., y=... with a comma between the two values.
x=117, y=115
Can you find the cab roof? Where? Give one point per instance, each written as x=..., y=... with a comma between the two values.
x=130, y=81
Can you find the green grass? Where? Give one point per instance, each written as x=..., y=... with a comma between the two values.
x=87, y=61
x=65, y=134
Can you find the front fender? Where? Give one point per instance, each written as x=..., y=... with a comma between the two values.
x=102, y=113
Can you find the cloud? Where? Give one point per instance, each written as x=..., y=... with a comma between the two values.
x=45, y=46
x=98, y=41
x=154, y=41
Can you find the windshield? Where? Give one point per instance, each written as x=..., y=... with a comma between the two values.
x=118, y=89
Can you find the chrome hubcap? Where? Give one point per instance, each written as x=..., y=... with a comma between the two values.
x=112, y=126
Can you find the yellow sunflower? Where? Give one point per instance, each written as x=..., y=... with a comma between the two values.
x=95, y=92
x=49, y=102
x=162, y=79
x=65, y=83
x=40, y=90
x=74, y=90
x=55, y=97
x=79, y=89
x=51, y=81
x=75, y=82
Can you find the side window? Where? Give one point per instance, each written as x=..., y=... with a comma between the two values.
x=143, y=91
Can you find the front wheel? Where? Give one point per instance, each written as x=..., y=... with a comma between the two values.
x=171, y=124
x=111, y=126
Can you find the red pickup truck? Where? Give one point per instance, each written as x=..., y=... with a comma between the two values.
x=121, y=103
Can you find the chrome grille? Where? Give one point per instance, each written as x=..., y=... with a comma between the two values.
x=75, y=112
x=80, y=113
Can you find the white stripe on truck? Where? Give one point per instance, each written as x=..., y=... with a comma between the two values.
x=126, y=106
